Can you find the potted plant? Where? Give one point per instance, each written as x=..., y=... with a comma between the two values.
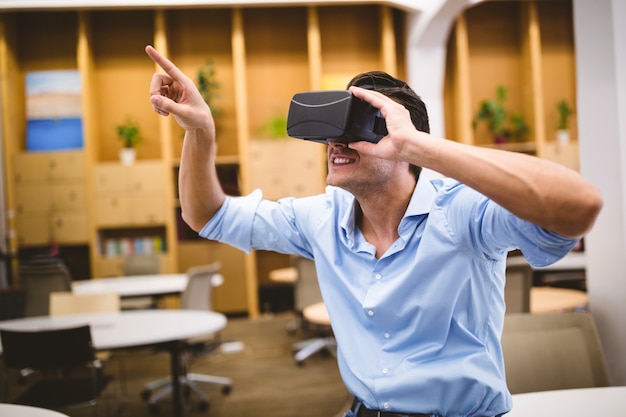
x=565, y=112
x=208, y=85
x=274, y=128
x=503, y=127
x=128, y=133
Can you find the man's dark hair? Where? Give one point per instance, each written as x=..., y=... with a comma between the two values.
x=400, y=92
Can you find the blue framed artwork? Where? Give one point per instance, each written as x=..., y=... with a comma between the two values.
x=53, y=110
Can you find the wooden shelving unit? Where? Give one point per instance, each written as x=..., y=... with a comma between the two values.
x=528, y=48
x=261, y=55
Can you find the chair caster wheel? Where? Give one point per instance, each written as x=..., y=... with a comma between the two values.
x=299, y=364
x=203, y=406
x=226, y=390
x=145, y=395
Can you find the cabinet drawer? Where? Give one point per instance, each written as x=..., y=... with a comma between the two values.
x=48, y=166
x=68, y=197
x=33, y=198
x=113, y=211
x=148, y=178
x=148, y=210
x=111, y=179
x=66, y=165
x=70, y=228
x=30, y=167
x=33, y=230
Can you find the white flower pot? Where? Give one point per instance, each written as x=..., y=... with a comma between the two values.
x=562, y=137
x=127, y=156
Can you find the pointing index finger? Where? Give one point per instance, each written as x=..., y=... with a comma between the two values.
x=167, y=65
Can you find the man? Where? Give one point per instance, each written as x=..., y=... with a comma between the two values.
x=412, y=271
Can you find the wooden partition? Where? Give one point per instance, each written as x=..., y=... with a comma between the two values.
x=261, y=56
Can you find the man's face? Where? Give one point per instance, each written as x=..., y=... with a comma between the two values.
x=357, y=173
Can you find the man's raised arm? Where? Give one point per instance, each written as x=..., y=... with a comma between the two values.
x=540, y=191
x=175, y=93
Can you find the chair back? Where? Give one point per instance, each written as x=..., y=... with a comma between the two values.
x=198, y=293
x=142, y=264
x=306, y=287
x=519, y=280
x=38, y=280
x=552, y=351
x=64, y=303
x=47, y=349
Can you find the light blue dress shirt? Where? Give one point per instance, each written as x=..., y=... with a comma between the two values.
x=418, y=330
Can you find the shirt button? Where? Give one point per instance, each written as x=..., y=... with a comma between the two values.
x=386, y=406
x=378, y=276
x=387, y=335
x=385, y=371
x=370, y=313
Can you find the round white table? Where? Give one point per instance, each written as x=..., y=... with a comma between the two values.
x=134, y=286
x=553, y=300
x=583, y=402
x=316, y=313
x=165, y=328
x=14, y=410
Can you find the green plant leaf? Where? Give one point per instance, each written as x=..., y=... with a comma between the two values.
x=128, y=132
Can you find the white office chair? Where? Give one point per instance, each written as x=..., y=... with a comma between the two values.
x=197, y=296
x=149, y=264
x=325, y=341
x=519, y=280
x=311, y=312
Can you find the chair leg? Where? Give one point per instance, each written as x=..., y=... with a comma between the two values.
x=163, y=388
x=210, y=379
x=159, y=383
x=316, y=345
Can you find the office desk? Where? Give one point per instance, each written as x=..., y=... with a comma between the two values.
x=583, y=402
x=126, y=329
x=14, y=410
x=134, y=286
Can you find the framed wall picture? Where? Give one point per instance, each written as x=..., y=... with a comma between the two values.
x=53, y=110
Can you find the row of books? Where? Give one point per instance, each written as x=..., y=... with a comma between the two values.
x=146, y=245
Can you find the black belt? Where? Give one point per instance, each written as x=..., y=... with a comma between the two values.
x=366, y=412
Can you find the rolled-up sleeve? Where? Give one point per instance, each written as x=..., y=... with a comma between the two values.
x=251, y=222
x=483, y=226
x=233, y=222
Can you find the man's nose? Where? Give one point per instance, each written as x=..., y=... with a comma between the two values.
x=336, y=145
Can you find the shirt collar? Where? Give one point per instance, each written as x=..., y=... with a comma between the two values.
x=421, y=202
x=423, y=197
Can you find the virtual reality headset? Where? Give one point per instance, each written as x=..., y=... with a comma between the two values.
x=335, y=115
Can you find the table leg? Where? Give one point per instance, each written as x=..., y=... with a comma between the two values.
x=179, y=406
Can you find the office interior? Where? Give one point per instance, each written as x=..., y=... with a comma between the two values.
x=453, y=52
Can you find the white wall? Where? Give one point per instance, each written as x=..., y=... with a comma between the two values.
x=600, y=37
